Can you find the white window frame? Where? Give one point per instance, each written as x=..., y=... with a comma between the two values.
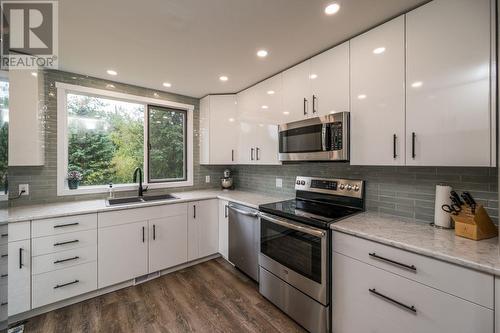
x=62, y=139
x=5, y=76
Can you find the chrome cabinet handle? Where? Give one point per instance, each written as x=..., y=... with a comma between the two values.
x=65, y=260
x=65, y=243
x=66, y=225
x=57, y=286
x=393, y=262
x=411, y=308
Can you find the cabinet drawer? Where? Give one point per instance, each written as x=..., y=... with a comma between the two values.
x=17, y=231
x=357, y=309
x=64, y=259
x=65, y=283
x=4, y=233
x=64, y=242
x=471, y=285
x=61, y=225
x=108, y=219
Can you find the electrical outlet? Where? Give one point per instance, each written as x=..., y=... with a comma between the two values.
x=207, y=179
x=25, y=188
x=279, y=182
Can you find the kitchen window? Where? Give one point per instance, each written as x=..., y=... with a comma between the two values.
x=105, y=135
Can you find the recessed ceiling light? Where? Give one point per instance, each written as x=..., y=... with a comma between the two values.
x=265, y=107
x=270, y=92
x=262, y=53
x=111, y=72
x=167, y=84
x=332, y=8
x=231, y=120
x=313, y=76
x=379, y=50
x=35, y=74
x=223, y=78
x=362, y=96
x=286, y=113
x=417, y=84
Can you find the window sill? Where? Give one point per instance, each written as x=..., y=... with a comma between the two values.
x=120, y=188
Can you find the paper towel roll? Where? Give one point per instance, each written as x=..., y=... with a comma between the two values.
x=442, y=218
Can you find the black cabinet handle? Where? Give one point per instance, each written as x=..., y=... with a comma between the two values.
x=251, y=154
x=143, y=235
x=64, y=260
x=413, y=136
x=3, y=276
x=21, y=258
x=4, y=235
x=154, y=232
x=4, y=255
x=393, y=301
x=66, y=284
x=314, y=103
x=257, y=153
x=232, y=155
x=305, y=106
x=394, y=138
x=66, y=225
x=4, y=303
x=65, y=243
x=194, y=211
x=390, y=261
x=226, y=208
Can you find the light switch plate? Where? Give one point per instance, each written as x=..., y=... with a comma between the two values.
x=279, y=182
x=25, y=187
x=207, y=179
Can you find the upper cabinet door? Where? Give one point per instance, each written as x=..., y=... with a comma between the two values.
x=377, y=96
x=297, y=91
x=447, y=86
x=223, y=129
x=269, y=96
x=329, y=78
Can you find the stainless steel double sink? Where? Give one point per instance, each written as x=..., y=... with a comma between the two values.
x=137, y=200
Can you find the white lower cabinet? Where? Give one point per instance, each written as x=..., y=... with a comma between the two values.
x=369, y=299
x=122, y=253
x=19, y=279
x=167, y=242
x=224, y=228
x=203, y=228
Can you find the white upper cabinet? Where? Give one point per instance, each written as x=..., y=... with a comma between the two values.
x=377, y=96
x=296, y=91
x=26, y=136
x=329, y=78
x=218, y=129
x=448, y=84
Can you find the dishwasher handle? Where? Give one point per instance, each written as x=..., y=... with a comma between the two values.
x=243, y=212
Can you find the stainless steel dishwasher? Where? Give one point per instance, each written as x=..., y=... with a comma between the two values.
x=244, y=239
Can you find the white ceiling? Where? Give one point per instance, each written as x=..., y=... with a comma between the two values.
x=190, y=43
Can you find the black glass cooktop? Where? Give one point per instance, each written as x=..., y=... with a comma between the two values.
x=317, y=214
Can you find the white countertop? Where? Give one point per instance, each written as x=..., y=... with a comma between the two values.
x=50, y=210
x=424, y=239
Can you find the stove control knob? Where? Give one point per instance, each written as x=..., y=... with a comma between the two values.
x=342, y=186
x=297, y=182
x=356, y=188
x=302, y=182
x=349, y=187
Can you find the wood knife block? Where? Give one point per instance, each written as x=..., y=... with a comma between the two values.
x=474, y=226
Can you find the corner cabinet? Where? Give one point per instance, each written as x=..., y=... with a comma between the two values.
x=448, y=68
x=218, y=129
x=203, y=228
x=378, y=95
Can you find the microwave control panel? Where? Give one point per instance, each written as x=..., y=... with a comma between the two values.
x=336, y=135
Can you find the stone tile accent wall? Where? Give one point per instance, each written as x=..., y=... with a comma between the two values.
x=42, y=180
x=403, y=191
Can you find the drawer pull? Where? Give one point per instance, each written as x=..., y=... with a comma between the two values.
x=5, y=255
x=4, y=235
x=3, y=276
x=66, y=284
x=68, y=242
x=393, y=301
x=66, y=225
x=4, y=303
x=64, y=260
x=408, y=267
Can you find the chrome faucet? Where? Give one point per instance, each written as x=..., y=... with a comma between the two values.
x=141, y=189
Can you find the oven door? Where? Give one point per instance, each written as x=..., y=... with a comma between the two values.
x=296, y=253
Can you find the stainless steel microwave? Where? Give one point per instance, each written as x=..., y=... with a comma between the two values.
x=323, y=138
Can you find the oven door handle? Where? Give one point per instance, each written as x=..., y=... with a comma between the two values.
x=307, y=230
x=242, y=212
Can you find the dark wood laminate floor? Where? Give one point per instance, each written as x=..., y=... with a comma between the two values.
x=209, y=297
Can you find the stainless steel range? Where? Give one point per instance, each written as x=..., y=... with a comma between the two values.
x=294, y=260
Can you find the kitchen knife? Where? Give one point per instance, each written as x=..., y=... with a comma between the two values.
x=469, y=201
x=457, y=198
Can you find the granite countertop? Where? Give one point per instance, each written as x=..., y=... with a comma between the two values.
x=424, y=239
x=50, y=210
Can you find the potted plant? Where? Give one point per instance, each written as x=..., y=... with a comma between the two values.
x=74, y=178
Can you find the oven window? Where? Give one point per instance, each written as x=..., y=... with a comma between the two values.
x=296, y=250
x=300, y=140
